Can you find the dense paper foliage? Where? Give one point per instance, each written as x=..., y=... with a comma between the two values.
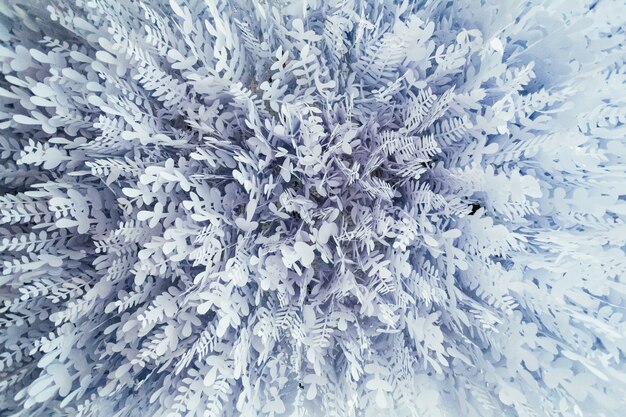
x=320, y=208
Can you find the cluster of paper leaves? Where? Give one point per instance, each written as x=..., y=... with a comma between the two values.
x=337, y=208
